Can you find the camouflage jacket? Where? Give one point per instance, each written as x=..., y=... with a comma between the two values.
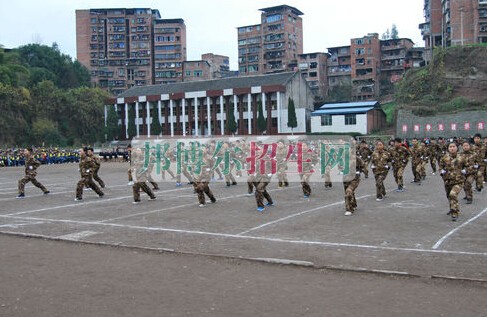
x=86, y=166
x=481, y=151
x=400, y=156
x=472, y=162
x=381, y=161
x=418, y=153
x=31, y=165
x=451, y=169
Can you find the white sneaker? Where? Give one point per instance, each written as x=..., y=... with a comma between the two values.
x=348, y=213
x=130, y=183
x=379, y=199
x=202, y=205
x=152, y=199
x=136, y=202
x=78, y=199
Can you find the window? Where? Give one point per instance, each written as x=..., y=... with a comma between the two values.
x=351, y=119
x=326, y=119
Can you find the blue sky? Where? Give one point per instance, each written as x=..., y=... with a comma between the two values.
x=211, y=25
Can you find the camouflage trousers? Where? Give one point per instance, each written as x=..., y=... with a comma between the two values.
x=416, y=169
x=433, y=163
x=305, y=184
x=467, y=186
x=452, y=191
x=379, y=183
x=98, y=179
x=366, y=169
x=129, y=174
x=282, y=177
x=422, y=169
x=30, y=178
x=398, y=172
x=202, y=188
x=350, y=187
x=136, y=187
x=327, y=177
x=261, y=193
x=250, y=184
x=87, y=181
x=186, y=174
x=479, y=178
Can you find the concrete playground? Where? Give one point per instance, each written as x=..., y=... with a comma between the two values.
x=407, y=235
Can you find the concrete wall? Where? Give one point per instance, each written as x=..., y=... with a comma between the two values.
x=467, y=123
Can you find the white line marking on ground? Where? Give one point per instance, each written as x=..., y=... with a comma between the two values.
x=77, y=236
x=17, y=225
x=295, y=215
x=446, y=236
x=266, y=239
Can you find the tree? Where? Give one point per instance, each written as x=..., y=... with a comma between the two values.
x=394, y=32
x=231, y=124
x=155, y=126
x=292, y=121
x=111, y=129
x=261, y=121
x=131, y=123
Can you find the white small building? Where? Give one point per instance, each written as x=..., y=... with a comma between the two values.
x=352, y=117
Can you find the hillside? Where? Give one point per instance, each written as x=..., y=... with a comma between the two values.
x=456, y=80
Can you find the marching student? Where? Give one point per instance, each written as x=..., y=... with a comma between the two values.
x=31, y=165
x=452, y=170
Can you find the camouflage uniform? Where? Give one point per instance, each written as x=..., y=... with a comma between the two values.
x=141, y=177
x=31, y=166
x=480, y=150
x=260, y=183
x=97, y=178
x=281, y=157
x=417, y=156
x=380, y=167
x=351, y=186
x=451, y=166
x=472, y=161
x=400, y=158
x=309, y=161
x=365, y=154
x=86, y=168
x=433, y=149
x=202, y=181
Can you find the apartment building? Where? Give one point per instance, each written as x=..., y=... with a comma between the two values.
x=272, y=46
x=169, y=50
x=313, y=66
x=454, y=22
x=123, y=48
x=370, y=66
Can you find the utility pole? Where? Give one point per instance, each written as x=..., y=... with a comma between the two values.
x=461, y=24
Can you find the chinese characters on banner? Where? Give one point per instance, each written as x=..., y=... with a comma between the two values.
x=193, y=157
x=467, y=126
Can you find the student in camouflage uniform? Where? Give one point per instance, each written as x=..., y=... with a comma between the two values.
x=400, y=158
x=129, y=171
x=310, y=159
x=365, y=154
x=281, y=157
x=202, y=181
x=381, y=160
x=31, y=165
x=453, y=171
x=97, y=161
x=472, y=161
x=86, y=168
x=417, y=155
x=480, y=150
x=433, y=149
x=351, y=185
x=141, y=177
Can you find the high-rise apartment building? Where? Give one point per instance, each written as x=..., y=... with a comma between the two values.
x=123, y=48
x=454, y=22
x=272, y=46
x=370, y=66
x=313, y=68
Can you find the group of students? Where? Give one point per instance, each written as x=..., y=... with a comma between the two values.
x=458, y=169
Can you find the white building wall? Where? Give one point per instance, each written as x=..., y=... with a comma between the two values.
x=338, y=125
x=300, y=118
